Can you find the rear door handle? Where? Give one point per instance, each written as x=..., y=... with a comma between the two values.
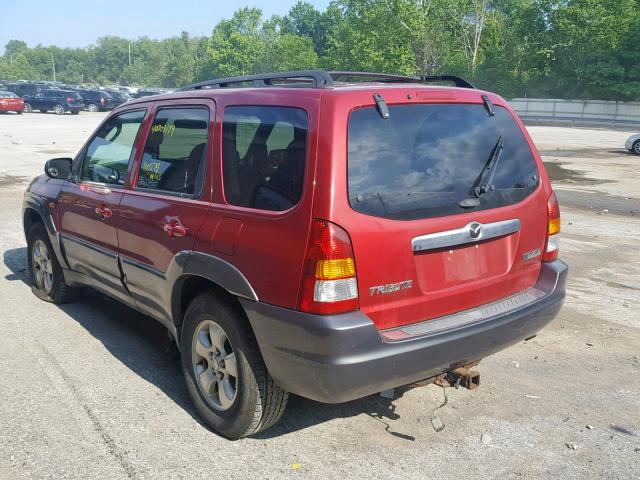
x=174, y=229
x=104, y=212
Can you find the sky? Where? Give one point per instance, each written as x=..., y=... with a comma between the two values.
x=78, y=23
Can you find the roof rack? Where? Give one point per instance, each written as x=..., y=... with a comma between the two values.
x=319, y=79
x=457, y=81
x=374, y=77
x=305, y=78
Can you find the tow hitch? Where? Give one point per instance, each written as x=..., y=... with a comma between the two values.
x=464, y=377
x=459, y=377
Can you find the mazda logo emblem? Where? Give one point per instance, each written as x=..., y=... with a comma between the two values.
x=475, y=230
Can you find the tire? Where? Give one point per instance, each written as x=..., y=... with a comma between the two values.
x=58, y=109
x=46, y=274
x=43, y=111
x=635, y=148
x=250, y=401
x=27, y=108
x=19, y=112
x=75, y=112
x=92, y=107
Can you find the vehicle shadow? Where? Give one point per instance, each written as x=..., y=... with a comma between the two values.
x=143, y=345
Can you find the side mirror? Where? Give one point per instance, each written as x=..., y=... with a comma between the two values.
x=59, y=168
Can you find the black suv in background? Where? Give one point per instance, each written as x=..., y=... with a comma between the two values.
x=97, y=101
x=24, y=89
x=118, y=97
x=60, y=101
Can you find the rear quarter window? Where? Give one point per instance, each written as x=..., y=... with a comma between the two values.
x=264, y=155
x=426, y=159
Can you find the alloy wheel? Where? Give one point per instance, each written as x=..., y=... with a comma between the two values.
x=59, y=109
x=636, y=147
x=214, y=365
x=42, y=266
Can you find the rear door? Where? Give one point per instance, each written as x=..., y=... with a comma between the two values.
x=37, y=101
x=53, y=97
x=88, y=204
x=161, y=214
x=428, y=241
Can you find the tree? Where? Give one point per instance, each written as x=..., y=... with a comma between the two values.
x=13, y=47
x=557, y=48
x=237, y=45
x=17, y=68
x=368, y=35
x=290, y=52
x=305, y=21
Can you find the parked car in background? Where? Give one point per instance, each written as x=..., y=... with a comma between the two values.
x=10, y=102
x=633, y=144
x=97, y=100
x=421, y=234
x=25, y=88
x=119, y=97
x=60, y=101
x=147, y=93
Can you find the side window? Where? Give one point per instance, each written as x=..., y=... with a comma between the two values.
x=173, y=155
x=263, y=156
x=108, y=154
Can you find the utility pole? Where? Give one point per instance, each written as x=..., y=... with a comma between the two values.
x=53, y=67
x=129, y=52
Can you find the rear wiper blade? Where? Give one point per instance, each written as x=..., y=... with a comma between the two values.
x=490, y=166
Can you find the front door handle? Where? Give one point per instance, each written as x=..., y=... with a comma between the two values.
x=104, y=212
x=174, y=229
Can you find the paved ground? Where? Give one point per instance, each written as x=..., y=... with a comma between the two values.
x=89, y=390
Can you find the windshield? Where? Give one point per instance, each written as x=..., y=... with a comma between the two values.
x=427, y=160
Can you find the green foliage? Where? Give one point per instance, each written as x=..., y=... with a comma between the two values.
x=237, y=45
x=554, y=48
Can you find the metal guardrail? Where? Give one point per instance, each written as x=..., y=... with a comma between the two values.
x=577, y=111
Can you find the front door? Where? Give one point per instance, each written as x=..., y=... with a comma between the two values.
x=162, y=212
x=88, y=203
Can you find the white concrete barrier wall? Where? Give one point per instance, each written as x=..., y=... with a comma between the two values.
x=596, y=111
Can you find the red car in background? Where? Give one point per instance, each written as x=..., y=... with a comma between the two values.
x=10, y=102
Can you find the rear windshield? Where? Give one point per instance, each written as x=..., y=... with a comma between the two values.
x=426, y=160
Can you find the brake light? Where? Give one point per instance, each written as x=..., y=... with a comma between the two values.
x=329, y=283
x=552, y=243
x=4, y=102
x=70, y=99
x=102, y=100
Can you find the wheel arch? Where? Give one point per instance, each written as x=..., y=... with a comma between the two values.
x=36, y=210
x=29, y=219
x=203, y=272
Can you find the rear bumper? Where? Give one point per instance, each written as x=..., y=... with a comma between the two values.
x=12, y=108
x=339, y=358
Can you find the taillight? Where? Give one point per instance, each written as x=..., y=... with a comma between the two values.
x=70, y=99
x=553, y=229
x=102, y=100
x=329, y=283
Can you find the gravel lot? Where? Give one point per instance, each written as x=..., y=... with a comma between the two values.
x=90, y=389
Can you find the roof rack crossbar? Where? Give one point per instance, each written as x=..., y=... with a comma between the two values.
x=320, y=79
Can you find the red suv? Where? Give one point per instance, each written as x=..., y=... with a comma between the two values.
x=332, y=235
